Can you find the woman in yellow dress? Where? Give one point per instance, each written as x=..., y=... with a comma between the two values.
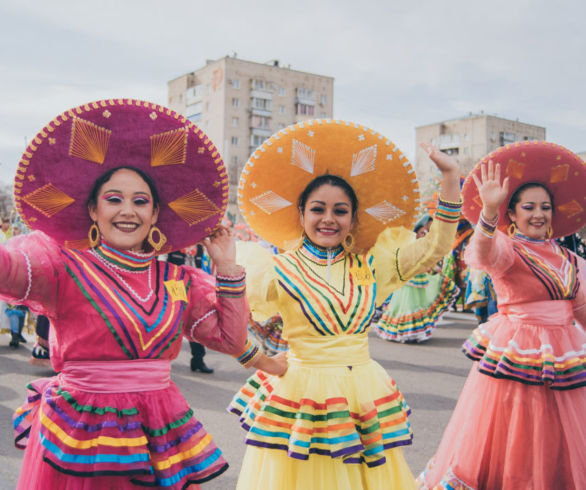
x=335, y=419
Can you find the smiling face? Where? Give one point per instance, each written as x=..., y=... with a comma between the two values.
x=124, y=210
x=327, y=216
x=533, y=213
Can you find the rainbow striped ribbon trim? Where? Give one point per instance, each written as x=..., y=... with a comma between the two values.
x=448, y=211
x=249, y=353
x=231, y=286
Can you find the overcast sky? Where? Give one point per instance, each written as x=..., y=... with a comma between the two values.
x=397, y=65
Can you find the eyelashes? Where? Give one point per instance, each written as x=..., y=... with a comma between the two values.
x=118, y=198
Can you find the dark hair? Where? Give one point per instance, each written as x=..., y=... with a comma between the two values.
x=332, y=180
x=516, y=197
x=106, y=176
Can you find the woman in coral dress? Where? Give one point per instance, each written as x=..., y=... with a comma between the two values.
x=112, y=418
x=520, y=421
x=335, y=419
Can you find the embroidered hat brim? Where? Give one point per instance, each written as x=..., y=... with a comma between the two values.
x=557, y=168
x=58, y=169
x=280, y=169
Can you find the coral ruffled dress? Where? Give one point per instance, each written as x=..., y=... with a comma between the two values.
x=520, y=422
x=335, y=420
x=112, y=418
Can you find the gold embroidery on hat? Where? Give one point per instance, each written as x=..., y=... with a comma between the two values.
x=570, y=208
x=169, y=148
x=363, y=161
x=559, y=173
x=515, y=169
x=270, y=202
x=48, y=200
x=89, y=141
x=194, y=207
x=385, y=212
x=302, y=156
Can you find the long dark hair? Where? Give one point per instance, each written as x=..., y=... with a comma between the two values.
x=106, y=176
x=516, y=197
x=333, y=180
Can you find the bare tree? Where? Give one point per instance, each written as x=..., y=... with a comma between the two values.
x=7, y=209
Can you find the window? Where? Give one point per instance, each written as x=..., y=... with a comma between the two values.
x=234, y=141
x=194, y=118
x=282, y=91
x=505, y=138
x=235, y=83
x=323, y=114
x=261, y=122
x=304, y=109
x=234, y=160
x=235, y=101
x=259, y=84
x=281, y=109
x=304, y=93
x=322, y=99
x=262, y=104
x=257, y=140
x=281, y=125
x=234, y=122
x=194, y=109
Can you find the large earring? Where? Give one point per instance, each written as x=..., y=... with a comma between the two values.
x=512, y=229
x=348, y=243
x=162, y=238
x=549, y=231
x=93, y=235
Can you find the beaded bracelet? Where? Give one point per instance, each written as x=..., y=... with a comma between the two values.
x=486, y=227
x=249, y=354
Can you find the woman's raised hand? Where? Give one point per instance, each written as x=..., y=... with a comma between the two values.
x=492, y=192
x=221, y=245
x=444, y=162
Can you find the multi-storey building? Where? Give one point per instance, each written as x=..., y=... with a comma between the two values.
x=239, y=104
x=469, y=139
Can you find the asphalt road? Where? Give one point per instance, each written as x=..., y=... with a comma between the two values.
x=430, y=375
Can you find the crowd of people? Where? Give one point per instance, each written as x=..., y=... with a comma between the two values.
x=128, y=256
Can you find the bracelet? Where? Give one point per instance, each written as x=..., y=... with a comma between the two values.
x=231, y=286
x=451, y=203
x=248, y=354
x=485, y=227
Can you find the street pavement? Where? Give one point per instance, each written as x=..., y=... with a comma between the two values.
x=430, y=375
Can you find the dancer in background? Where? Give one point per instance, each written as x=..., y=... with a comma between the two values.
x=335, y=419
x=112, y=418
x=413, y=311
x=519, y=421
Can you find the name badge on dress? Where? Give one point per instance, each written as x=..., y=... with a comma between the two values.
x=361, y=275
x=176, y=290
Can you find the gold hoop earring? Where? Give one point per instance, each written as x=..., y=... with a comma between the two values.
x=549, y=231
x=348, y=243
x=93, y=235
x=162, y=238
x=511, y=230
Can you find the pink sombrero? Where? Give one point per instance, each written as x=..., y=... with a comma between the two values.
x=557, y=168
x=58, y=169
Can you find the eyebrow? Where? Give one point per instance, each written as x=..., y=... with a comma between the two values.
x=335, y=204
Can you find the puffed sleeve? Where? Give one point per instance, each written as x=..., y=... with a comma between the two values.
x=260, y=272
x=217, y=311
x=579, y=303
x=494, y=255
x=30, y=269
x=398, y=256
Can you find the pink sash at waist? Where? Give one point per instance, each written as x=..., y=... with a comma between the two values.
x=540, y=312
x=116, y=376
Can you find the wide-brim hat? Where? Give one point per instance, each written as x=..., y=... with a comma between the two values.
x=561, y=171
x=58, y=169
x=280, y=169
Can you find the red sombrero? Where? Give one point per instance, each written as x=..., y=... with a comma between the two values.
x=279, y=170
x=58, y=169
x=557, y=168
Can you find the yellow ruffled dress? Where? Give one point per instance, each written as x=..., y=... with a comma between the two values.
x=335, y=420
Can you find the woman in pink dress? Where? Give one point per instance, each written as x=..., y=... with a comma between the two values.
x=143, y=180
x=520, y=421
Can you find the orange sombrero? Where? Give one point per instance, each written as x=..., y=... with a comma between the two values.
x=61, y=164
x=557, y=168
x=279, y=170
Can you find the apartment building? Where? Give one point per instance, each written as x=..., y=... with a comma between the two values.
x=240, y=103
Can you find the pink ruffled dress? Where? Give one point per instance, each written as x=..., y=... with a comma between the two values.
x=520, y=421
x=112, y=418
